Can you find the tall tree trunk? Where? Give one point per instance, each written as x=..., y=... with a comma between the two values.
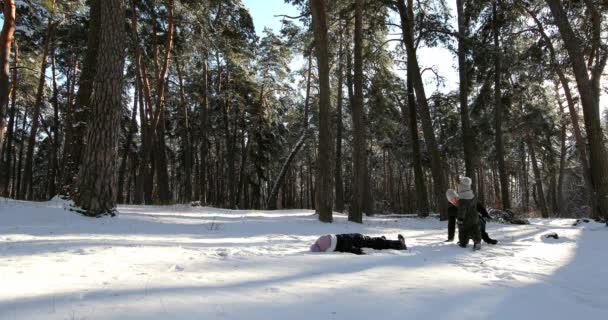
x=422, y=202
x=54, y=157
x=500, y=152
x=407, y=23
x=355, y=212
x=590, y=95
x=6, y=39
x=96, y=194
x=537, y=179
x=82, y=105
x=203, y=129
x=19, y=175
x=8, y=151
x=562, y=158
x=145, y=184
x=324, y=161
x=225, y=104
x=132, y=128
x=26, y=184
x=158, y=120
x=339, y=184
x=467, y=134
x=186, y=140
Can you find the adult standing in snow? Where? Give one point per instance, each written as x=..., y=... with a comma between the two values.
x=452, y=197
x=467, y=217
x=355, y=242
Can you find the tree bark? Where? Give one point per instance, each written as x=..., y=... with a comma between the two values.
x=54, y=156
x=324, y=161
x=355, y=212
x=127, y=147
x=82, y=103
x=537, y=179
x=203, y=130
x=6, y=39
x=186, y=139
x=422, y=202
x=8, y=151
x=96, y=193
x=500, y=152
x=339, y=184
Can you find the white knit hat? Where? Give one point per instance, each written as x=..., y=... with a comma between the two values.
x=451, y=193
x=464, y=188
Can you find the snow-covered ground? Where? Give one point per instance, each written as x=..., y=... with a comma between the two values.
x=180, y=262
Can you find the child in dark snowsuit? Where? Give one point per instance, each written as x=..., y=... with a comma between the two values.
x=467, y=217
x=354, y=242
x=452, y=196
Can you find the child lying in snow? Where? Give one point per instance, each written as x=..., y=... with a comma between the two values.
x=354, y=242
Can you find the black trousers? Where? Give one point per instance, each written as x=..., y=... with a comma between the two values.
x=353, y=242
x=482, y=226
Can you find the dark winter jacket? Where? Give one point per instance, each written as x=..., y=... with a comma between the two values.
x=354, y=242
x=349, y=243
x=467, y=211
x=453, y=211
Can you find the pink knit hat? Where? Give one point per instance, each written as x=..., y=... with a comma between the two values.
x=324, y=243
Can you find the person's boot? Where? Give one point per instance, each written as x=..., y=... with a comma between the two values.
x=449, y=240
x=486, y=238
x=477, y=246
x=491, y=241
x=402, y=245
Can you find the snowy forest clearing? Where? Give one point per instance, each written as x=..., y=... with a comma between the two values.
x=181, y=262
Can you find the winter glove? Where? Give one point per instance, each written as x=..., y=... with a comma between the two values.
x=460, y=222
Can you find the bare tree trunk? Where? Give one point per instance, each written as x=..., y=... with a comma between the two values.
x=339, y=184
x=422, y=202
x=500, y=152
x=158, y=120
x=96, y=194
x=54, y=160
x=324, y=161
x=6, y=39
x=203, y=130
x=19, y=168
x=359, y=144
x=538, y=180
x=80, y=113
x=8, y=150
x=127, y=148
x=186, y=140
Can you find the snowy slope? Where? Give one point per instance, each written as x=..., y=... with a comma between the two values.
x=180, y=262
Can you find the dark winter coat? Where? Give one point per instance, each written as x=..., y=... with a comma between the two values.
x=468, y=215
x=354, y=242
x=453, y=211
